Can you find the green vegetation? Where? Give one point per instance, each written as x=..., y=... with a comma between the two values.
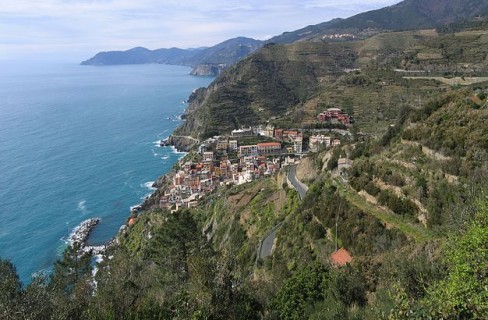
x=421, y=254
x=389, y=218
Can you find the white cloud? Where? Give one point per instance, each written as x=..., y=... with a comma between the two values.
x=88, y=26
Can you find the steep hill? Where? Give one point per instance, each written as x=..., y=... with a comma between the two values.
x=406, y=15
x=412, y=213
x=265, y=85
x=288, y=85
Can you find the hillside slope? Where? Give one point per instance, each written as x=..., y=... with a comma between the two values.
x=202, y=262
x=406, y=15
x=288, y=85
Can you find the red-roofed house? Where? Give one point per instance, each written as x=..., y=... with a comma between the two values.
x=340, y=257
x=269, y=147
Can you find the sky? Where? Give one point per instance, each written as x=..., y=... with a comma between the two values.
x=78, y=29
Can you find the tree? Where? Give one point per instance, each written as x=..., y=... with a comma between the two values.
x=462, y=294
x=37, y=300
x=175, y=242
x=70, y=285
x=10, y=291
x=300, y=292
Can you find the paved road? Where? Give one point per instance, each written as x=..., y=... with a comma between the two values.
x=299, y=186
x=266, y=245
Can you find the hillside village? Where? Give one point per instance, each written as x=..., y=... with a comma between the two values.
x=245, y=155
x=385, y=128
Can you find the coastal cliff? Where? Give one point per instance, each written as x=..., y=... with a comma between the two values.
x=207, y=70
x=182, y=143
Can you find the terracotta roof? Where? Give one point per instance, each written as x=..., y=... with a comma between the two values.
x=269, y=144
x=132, y=221
x=340, y=257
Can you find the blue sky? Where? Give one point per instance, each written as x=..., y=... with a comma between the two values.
x=77, y=29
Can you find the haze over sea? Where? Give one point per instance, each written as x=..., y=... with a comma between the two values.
x=78, y=142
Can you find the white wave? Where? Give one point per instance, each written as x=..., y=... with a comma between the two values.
x=157, y=143
x=98, y=260
x=149, y=185
x=82, y=207
x=43, y=272
x=175, y=151
x=155, y=153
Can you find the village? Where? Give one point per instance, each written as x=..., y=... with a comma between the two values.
x=242, y=156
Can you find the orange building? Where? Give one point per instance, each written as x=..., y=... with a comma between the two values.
x=340, y=257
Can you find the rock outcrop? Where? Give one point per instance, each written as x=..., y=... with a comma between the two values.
x=81, y=233
x=207, y=70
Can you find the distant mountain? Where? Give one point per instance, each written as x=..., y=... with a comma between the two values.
x=228, y=52
x=141, y=55
x=406, y=15
x=211, y=60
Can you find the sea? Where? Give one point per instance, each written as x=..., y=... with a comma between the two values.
x=78, y=142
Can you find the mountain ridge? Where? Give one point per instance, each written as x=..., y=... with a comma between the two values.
x=405, y=15
x=213, y=59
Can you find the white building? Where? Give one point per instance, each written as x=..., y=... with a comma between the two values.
x=298, y=144
x=319, y=140
x=248, y=150
x=241, y=132
x=233, y=144
x=208, y=156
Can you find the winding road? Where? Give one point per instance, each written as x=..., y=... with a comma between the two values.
x=300, y=187
x=266, y=245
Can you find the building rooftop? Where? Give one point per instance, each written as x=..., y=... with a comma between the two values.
x=340, y=257
x=269, y=144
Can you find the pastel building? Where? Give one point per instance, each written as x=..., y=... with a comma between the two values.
x=269, y=147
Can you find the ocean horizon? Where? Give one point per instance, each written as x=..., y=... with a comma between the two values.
x=78, y=142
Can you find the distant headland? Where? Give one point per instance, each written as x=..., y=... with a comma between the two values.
x=204, y=61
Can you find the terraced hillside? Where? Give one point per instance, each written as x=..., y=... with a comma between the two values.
x=288, y=85
x=268, y=84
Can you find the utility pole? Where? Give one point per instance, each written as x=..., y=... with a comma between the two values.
x=336, y=224
x=337, y=217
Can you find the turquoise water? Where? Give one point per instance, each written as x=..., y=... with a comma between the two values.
x=78, y=142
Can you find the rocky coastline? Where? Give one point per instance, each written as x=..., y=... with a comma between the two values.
x=182, y=143
x=208, y=70
x=81, y=233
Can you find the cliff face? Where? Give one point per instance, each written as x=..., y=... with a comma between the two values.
x=207, y=70
x=267, y=84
